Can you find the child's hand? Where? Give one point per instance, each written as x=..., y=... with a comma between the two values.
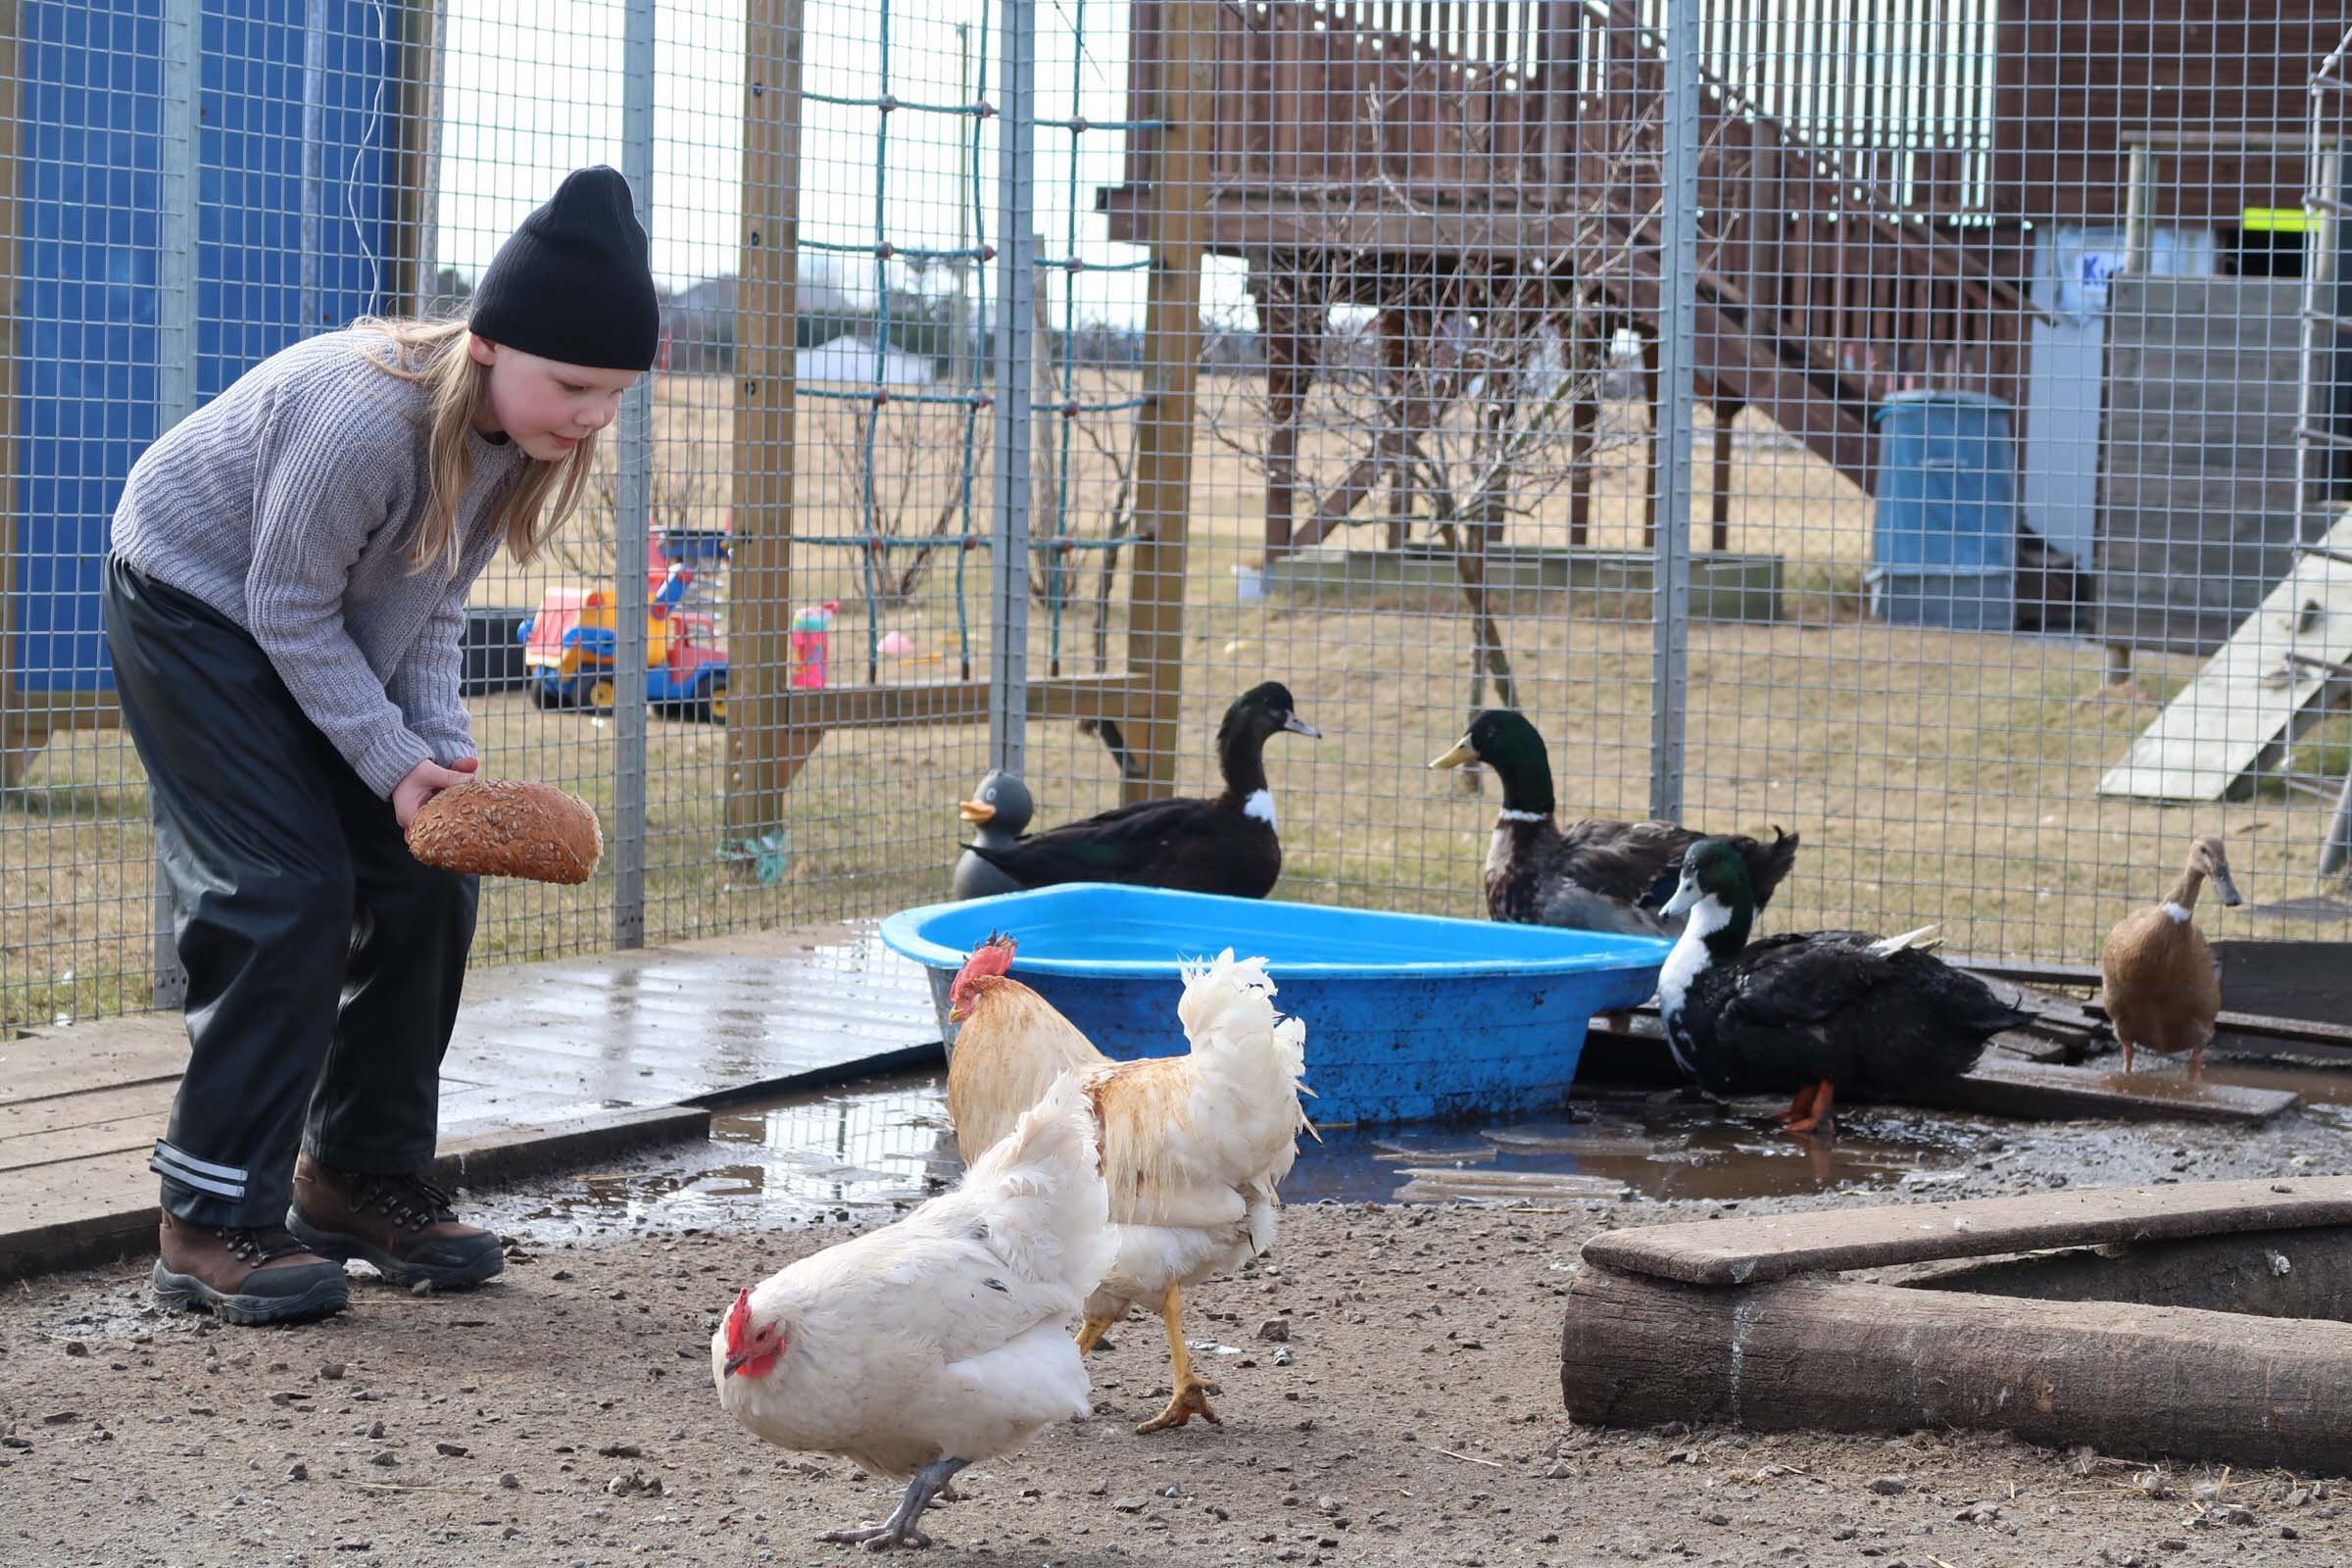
x=424, y=781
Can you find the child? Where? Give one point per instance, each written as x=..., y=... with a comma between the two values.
x=284, y=601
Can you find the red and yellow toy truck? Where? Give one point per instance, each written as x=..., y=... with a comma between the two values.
x=569, y=650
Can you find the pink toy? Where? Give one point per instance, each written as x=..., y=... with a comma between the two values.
x=896, y=644
x=811, y=641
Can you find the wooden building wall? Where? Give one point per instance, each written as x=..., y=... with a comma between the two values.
x=2074, y=77
x=2197, y=516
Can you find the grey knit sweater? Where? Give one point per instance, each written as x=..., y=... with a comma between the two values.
x=287, y=504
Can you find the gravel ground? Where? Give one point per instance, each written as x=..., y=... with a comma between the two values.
x=1404, y=1408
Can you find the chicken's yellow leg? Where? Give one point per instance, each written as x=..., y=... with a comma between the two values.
x=1090, y=1331
x=1191, y=1398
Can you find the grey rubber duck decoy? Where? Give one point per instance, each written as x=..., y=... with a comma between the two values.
x=999, y=811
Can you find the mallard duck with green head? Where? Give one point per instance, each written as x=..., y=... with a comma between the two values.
x=1597, y=874
x=1810, y=1012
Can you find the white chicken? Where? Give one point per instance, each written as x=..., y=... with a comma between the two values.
x=1192, y=1145
x=943, y=1338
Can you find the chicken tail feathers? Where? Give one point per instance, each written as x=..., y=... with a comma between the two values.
x=1041, y=1190
x=1229, y=1003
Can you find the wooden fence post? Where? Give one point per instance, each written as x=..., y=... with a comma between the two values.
x=763, y=753
x=1169, y=415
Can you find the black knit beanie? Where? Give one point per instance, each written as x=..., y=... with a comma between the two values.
x=572, y=285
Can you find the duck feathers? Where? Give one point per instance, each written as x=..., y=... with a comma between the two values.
x=1806, y=1007
x=1598, y=874
x=2158, y=981
x=1603, y=875
x=1226, y=844
x=1191, y=846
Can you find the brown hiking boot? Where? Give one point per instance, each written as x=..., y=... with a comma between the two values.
x=403, y=1225
x=245, y=1274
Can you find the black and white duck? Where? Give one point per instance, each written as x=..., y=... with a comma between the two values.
x=1226, y=844
x=1812, y=1012
x=999, y=813
x=1597, y=874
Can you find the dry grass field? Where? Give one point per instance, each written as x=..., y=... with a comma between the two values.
x=1934, y=776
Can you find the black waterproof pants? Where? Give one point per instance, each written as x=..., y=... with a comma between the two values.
x=324, y=962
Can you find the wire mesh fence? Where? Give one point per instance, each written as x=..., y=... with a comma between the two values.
x=1914, y=424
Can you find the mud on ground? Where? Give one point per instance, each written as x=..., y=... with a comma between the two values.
x=563, y=1415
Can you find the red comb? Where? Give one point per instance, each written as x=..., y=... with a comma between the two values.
x=739, y=1317
x=990, y=958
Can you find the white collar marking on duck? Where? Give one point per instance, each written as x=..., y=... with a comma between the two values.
x=1509, y=815
x=1687, y=962
x=2179, y=912
x=1261, y=804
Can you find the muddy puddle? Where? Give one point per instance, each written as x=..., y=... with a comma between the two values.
x=818, y=1157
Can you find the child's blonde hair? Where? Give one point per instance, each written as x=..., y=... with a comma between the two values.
x=436, y=354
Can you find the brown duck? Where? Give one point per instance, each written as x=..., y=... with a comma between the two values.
x=2161, y=991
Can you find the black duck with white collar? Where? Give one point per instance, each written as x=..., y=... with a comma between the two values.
x=1812, y=1012
x=1596, y=875
x=1227, y=845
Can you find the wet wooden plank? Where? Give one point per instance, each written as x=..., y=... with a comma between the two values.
x=62, y=1144
x=1750, y=1249
x=2298, y=980
x=2000, y=1086
x=1479, y=1154
x=89, y=1211
x=2253, y=1017
x=552, y=1063
x=499, y=1154
x=469, y=1112
x=28, y=1118
x=2306, y=1273
x=822, y=1074
x=81, y=1057
x=101, y=1206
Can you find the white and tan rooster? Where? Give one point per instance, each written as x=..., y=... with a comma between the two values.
x=1192, y=1145
x=943, y=1338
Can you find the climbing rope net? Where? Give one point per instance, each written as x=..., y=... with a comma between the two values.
x=1059, y=541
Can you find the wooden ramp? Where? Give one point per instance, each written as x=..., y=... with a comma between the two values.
x=2258, y=692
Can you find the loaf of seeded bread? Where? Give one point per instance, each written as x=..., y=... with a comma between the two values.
x=506, y=827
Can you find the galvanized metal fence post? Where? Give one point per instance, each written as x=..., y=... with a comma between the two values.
x=632, y=503
x=1016, y=362
x=2326, y=341
x=1677, y=331
x=313, y=205
x=174, y=340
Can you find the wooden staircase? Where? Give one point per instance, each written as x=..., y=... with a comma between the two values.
x=1821, y=288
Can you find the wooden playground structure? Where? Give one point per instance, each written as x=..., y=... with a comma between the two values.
x=1358, y=157
x=1497, y=159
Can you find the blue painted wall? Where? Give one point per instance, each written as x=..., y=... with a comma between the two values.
x=88, y=182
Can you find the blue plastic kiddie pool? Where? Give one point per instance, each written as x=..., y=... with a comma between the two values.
x=1408, y=1016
